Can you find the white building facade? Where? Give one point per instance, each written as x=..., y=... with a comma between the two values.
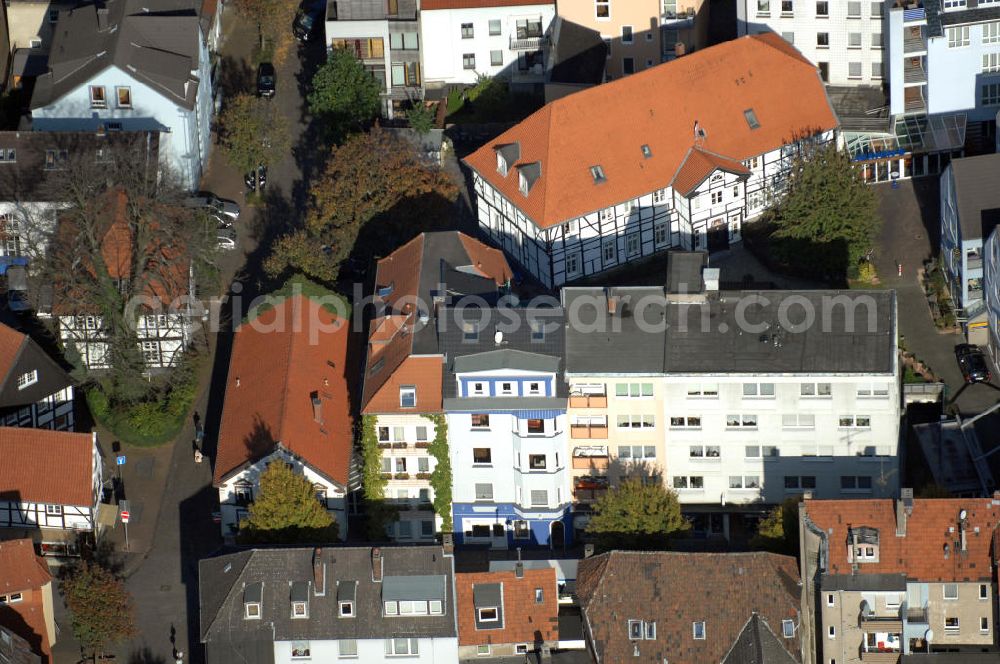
x=423, y=650
x=843, y=38
x=238, y=490
x=471, y=39
x=407, y=464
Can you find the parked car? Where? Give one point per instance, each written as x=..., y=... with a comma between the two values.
x=219, y=207
x=226, y=240
x=265, y=79
x=972, y=362
x=305, y=23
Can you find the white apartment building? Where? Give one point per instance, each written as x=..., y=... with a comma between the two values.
x=944, y=58
x=507, y=433
x=743, y=411
x=843, y=38
x=466, y=39
x=588, y=183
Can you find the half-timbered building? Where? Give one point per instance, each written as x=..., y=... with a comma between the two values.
x=677, y=156
x=164, y=324
x=34, y=390
x=286, y=401
x=50, y=486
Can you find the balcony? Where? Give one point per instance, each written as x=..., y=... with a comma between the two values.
x=875, y=657
x=890, y=624
x=913, y=100
x=596, y=431
x=916, y=615
x=914, y=44
x=914, y=13
x=913, y=71
x=529, y=42
x=588, y=401
x=589, y=489
x=591, y=457
x=974, y=261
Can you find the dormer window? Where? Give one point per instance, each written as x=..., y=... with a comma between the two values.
x=501, y=164
x=407, y=396
x=251, y=610
x=597, y=172
x=253, y=594
x=299, y=597
x=528, y=175
x=507, y=156
x=522, y=183
x=347, y=592
x=751, y=119
x=346, y=609
x=27, y=379
x=788, y=629
x=862, y=545
x=470, y=332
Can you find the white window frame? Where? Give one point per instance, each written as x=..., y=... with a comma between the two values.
x=407, y=390
x=495, y=610
x=958, y=36
x=598, y=4
x=698, y=630
x=27, y=379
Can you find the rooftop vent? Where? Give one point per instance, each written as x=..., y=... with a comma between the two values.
x=377, y=565
x=646, y=152
x=699, y=132
x=751, y=118
x=317, y=406
x=597, y=173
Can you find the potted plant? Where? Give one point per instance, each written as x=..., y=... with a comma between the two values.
x=402, y=476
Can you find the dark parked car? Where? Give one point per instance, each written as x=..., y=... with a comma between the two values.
x=265, y=79
x=972, y=362
x=305, y=22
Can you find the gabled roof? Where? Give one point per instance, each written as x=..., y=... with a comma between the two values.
x=675, y=590
x=758, y=644
x=43, y=466
x=281, y=360
x=698, y=164
x=711, y=88
x=19, y=354
x=20, y=568
x=525, y=620
x=920, y=555
x=402, y=340
x=506, y=358
x=424, y=570
x=158, y=44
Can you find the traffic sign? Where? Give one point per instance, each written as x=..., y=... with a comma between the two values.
x=125, y=516
x=120, y=460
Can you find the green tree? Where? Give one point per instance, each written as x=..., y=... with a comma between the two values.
x=344, y=94
x=372, y=176
x=421, y=118
x=637, y=514
x=101, y=608
x=251, y=132
x=828, y=219
x=287, y=510
x=273, y=20
x=779, y=530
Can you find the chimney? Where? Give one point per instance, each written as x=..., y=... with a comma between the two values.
x=962, y=521
x=319, y=572
x=519, y=569
x=612, y=304
x=680, y=50
x=906, y=495
x=102, y=17
x=448, y=543
x=317, y=405
x=588, y=550
x=377, y=565
x=900, y=518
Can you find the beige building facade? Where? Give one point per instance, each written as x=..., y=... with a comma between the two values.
x=641, y=34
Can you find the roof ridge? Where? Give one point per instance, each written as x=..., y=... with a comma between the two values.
x=286, y=367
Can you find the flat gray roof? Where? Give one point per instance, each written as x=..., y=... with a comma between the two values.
x=977, y=190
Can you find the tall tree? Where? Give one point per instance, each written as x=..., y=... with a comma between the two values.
x=273, y=20
x=637, y=513
x=287, y=510
x=828, y=219
x=345, y=96
x=373, y=178
x=101, y=608
x=121, y=248
x=779, y=530
x=252, y=131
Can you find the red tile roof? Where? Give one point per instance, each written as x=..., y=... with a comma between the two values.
x=20, y=568
x=428, y=5
x=11, y=342
x=674, y=590
x=523, y=617
x=920, y=554
x=607, y=125
x=408, y=274
x=279, y=360
x=698, y=165
x=42, y=466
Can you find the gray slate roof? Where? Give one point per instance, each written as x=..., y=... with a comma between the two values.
x=516, y=328
x=758, y=644
x=863, y=582
x=222, y=581
x=708, y=338
x=977, y=193
x=156, y=43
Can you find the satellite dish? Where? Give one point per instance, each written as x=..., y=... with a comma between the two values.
x=962, y=514
x=498, y=337
x=929, y=635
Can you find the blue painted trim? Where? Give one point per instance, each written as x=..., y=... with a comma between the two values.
x=491, y=381
x=540, y=528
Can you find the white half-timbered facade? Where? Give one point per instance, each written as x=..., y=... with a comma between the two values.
x=589, y=183
x=161, y=337
x=51, y=485
x=34, y=390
